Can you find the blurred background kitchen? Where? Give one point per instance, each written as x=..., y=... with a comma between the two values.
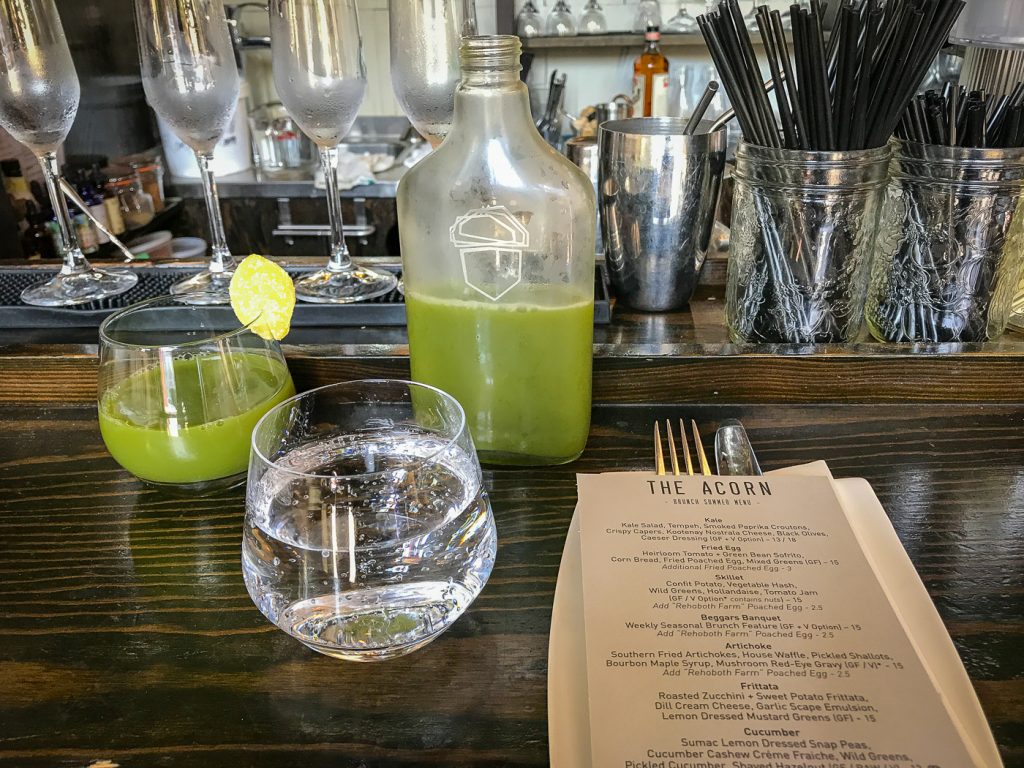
x=143, y=182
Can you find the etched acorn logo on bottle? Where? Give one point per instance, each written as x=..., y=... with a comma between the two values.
x=491, y=242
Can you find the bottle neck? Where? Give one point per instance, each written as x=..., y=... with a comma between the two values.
x=653, y=38
x=491, y=100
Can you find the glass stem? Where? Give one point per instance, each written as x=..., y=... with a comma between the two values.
x=74, y=259
x=220, y=256
x=340, y=261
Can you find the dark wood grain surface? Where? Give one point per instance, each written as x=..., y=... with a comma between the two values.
x=638, y=359
x=126, y=633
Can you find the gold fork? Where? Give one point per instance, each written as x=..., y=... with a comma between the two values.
x=659, y=451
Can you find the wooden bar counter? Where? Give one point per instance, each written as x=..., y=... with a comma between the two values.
x=126, y=634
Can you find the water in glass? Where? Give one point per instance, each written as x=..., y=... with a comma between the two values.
x=368, y=544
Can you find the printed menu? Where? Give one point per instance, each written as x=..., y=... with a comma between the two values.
x=737, y=623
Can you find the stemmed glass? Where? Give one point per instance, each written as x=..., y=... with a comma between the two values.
x=529, y=22
x=39, y=95
x=682, y=21
x=321, y=79
x=425, y=40
x=191, y=81
x=592, y=20
x=648, y=14
x=560, y=22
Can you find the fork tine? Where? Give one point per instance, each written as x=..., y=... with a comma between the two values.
x=704, y=467
x=686, y=447
x=672, y=447
x=659, y=457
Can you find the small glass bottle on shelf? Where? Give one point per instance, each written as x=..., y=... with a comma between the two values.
x=37, y=242
x=497, y=239
x=136, y=206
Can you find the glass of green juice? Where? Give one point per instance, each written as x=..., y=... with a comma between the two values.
x=181, y=387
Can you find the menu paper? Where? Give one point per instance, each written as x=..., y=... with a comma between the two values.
x=736, y=623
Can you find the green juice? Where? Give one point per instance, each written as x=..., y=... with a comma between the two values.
x=522, y=372
x=217, y=402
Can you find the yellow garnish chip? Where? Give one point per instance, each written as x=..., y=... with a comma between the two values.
x=263, y=292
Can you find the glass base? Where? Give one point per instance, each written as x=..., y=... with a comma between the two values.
x=205, y=288
x=203, y=488
x=80, y=288
x=499, y=458
x=344, y=287
x=376, y=654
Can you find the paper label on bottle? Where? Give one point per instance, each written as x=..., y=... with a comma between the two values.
x=737, y=622
x=638, y=95
x=490, y=242
x=659, y=95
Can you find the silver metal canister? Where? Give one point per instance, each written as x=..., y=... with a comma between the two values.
x=658, y=191
x=583, y=151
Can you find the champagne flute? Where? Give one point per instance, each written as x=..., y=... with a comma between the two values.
x=39, y=95
x=321, y=79
x=191, y=81
x=425, y=40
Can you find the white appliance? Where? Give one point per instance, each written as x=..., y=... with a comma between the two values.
x=232, y=154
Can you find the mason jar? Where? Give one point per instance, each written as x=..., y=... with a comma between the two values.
x=803, y=229
x=951, y=244
x=497, y=237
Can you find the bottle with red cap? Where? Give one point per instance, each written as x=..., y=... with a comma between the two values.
x=650, y=78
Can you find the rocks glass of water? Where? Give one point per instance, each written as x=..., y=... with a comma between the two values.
x=367, y=529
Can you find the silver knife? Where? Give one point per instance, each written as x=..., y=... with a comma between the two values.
x=734, y=454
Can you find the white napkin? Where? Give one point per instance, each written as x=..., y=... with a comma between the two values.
x=356, y=169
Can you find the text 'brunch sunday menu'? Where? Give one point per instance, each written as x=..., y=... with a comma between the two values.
x=737, y=623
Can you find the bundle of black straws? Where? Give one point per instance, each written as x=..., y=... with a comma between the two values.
x=846, y=92
x=957, y=118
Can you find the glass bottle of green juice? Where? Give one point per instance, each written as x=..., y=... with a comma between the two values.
x=497, y=233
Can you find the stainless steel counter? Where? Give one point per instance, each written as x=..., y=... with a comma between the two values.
x=250, y=184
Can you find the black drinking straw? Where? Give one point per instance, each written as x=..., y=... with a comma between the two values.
x=741, y=38
x=1015, y=128
x=846, y=91
x=724, y=66
x=952, y=111
x=789, y=129
x=819, y=75
x=975, y=125
x=846, y=84
x=859, y=133
x=804, y=77
x=803, y=141
x=701, y=108
x=971, y=120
